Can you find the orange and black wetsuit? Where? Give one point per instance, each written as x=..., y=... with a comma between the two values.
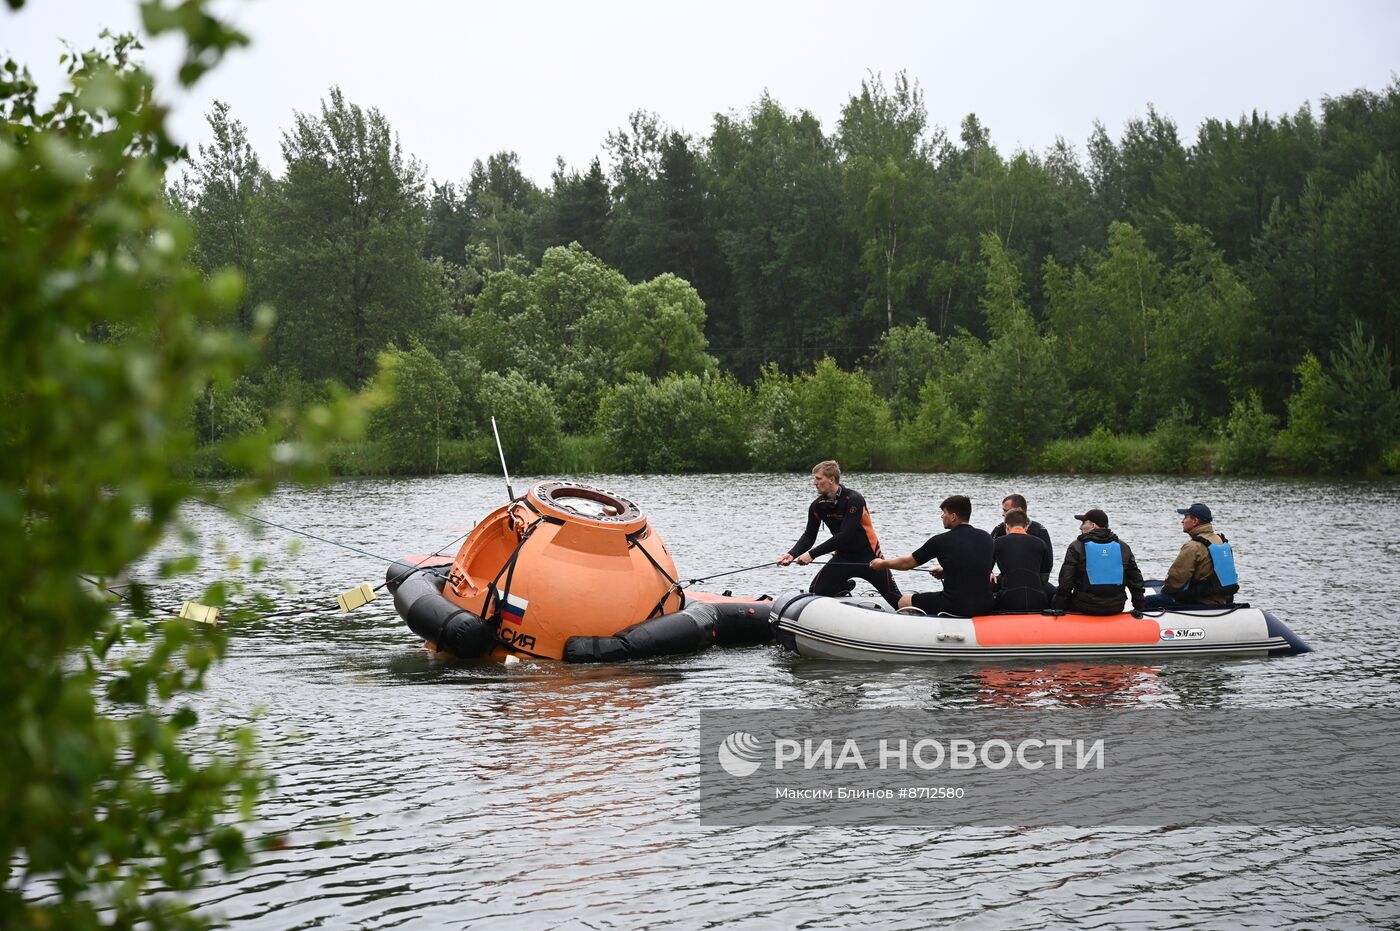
x=852, y=545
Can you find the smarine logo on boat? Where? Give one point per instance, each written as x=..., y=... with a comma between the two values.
x=1184, y=633
x=740, y=754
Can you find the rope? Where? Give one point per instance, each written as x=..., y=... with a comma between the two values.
x=438, y=551
x=121, y=596
x=1198, y=610
x=96, y=584
x=344, y=546
x=718, y=575
x=863, y=565
x=302, y=533
x=414, y=570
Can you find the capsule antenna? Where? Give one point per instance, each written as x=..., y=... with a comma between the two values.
x=509, y=491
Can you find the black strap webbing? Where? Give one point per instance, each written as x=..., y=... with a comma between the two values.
x=635, y=540
x=508, y=570
x=547, y=518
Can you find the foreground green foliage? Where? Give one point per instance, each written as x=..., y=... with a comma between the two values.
x=113, y=352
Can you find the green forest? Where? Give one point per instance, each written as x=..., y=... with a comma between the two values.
x=775, y=292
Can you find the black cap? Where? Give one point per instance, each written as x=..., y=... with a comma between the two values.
x=1198, y=511
x=1095, y=515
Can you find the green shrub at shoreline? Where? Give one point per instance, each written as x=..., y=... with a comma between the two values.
x=1100, y=453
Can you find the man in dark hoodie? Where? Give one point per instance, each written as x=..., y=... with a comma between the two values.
x=1097, y=568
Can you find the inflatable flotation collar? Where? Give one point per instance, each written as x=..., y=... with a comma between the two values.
x=706, y=620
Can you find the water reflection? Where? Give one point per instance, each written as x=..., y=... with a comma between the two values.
x=1066, y=685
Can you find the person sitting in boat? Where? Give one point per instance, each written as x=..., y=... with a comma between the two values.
x=1019, y=559
x=1034, y=528
x=965, y=560
x=853, y=542
x=1098, y=567
x=1204, y=570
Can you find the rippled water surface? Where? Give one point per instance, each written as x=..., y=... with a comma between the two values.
x=419, y=793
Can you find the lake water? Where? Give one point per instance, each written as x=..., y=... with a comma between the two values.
x=418, y=793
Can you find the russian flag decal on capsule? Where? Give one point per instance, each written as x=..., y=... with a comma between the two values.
x=513, y=608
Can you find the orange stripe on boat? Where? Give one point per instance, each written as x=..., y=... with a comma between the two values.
x=1027, y=629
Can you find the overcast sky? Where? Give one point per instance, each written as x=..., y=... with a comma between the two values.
x=459, y=81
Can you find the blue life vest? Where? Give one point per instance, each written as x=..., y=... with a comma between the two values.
x=1103, y=562
x=1223, y=558
x=1223, y=578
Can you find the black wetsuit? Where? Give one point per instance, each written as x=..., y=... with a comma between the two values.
x=965, y=553
x=1019, y=558
x=1036, y=529
x=852, y=540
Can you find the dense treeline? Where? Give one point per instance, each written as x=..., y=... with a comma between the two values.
x=773, y=293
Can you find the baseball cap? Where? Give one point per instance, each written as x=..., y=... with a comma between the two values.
x=1095, y=515
x=1198, y=511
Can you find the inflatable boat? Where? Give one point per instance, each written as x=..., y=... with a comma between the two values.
x=565, y=572
x=856, y=629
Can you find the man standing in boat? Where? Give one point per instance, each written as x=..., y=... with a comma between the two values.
x=1097, y=570
x=853, y=542
x=965, y=559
